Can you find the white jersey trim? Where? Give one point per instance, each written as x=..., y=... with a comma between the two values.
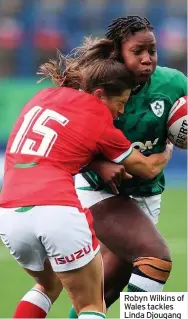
x=123, y=156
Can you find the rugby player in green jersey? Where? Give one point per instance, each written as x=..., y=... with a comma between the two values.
x=136, y=255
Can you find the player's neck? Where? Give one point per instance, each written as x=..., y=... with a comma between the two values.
x=137, y=89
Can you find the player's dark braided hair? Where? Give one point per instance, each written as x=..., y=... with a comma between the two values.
x=121, y=28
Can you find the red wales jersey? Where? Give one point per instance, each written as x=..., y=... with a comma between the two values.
x=57, y=133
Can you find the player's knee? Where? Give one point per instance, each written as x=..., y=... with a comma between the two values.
x=162, y=251
x=165, y=252
x=157, y=247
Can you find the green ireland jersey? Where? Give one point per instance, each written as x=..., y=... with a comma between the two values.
x=144, y=124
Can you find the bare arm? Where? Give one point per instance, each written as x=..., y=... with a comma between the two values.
x=117, y=148
x=147, y=167
x=136, y=164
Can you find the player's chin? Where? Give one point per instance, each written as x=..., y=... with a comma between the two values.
x=143, y=77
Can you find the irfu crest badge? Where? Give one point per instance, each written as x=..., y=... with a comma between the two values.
x=158, y=108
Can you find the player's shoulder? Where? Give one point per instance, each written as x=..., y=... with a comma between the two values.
x=41, y=95
x=82, y=103
x=167, y=75
x=169, y=83
x=92, y=105
x=68, y=95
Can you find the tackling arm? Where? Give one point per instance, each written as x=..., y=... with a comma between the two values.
x=147, y=167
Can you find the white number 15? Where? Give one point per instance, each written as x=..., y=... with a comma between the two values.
x=25, y=145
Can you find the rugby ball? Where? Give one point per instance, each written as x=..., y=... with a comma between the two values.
x=177, y=123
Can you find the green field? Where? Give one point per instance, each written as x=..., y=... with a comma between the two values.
x=15, y=283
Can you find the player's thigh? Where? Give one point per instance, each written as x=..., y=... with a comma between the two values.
x=116, y=271
x=67, y=236
x=17, y=231
x=126, y=230
x=61, y=233
x=151, y=206
x=87, y=196
x=85, y=285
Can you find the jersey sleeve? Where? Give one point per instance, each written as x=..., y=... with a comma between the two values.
x=114, y=145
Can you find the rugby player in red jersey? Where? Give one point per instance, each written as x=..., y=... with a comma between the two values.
x=58, y=132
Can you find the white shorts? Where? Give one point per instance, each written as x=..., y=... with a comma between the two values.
x=63, y=234
x=150, y=205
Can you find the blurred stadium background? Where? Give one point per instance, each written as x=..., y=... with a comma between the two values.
x=30, y=32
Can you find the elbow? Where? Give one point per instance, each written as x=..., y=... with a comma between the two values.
x=151, y=173
x=147, y=173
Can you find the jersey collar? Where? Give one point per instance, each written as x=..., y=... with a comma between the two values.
x=139, y=89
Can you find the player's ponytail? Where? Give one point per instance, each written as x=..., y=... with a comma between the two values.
x=63, y=71
x=94, y=65
x=100, y=67
x=93, y=49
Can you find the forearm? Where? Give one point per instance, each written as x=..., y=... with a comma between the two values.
x=146, y=167
x=158, y=162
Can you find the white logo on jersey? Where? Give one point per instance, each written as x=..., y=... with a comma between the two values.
x=147, y=146
x=158, y=108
